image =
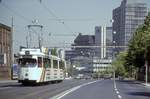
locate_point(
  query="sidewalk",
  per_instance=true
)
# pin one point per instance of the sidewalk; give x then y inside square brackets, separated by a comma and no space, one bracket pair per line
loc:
[140,82]
[147,85]
[143,83]
[8,81]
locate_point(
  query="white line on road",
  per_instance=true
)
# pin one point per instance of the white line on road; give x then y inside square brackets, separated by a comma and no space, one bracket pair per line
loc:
[117,92]
[115,87]
[61,95]
[119,97]
[66,92]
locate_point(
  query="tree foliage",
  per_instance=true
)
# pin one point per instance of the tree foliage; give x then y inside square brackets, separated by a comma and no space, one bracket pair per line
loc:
[54,51]
[118,64]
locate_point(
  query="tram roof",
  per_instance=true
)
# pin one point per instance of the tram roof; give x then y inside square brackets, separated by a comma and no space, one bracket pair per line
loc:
[37,52]
[31,52]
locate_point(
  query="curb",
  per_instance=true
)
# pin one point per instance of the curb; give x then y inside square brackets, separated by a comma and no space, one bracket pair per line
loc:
[146,85]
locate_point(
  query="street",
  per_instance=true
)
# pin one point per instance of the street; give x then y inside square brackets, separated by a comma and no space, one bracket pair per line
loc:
[76,89]
[15,90]
[105,90]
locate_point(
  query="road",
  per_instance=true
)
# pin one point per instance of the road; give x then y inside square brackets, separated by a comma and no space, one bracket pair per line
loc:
[76,89]
[105,89]
[17,91]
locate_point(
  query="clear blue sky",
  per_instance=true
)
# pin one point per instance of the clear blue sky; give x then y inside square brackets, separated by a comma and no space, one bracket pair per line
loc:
[77,16]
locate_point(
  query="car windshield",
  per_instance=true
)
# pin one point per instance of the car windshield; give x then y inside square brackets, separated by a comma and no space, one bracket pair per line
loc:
[27,62]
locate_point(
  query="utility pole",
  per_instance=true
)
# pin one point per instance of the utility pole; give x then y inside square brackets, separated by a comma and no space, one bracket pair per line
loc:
[146,72]
[27,41]
[11,50]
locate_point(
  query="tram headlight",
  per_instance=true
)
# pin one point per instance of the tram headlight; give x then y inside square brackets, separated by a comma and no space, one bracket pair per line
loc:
[26,74]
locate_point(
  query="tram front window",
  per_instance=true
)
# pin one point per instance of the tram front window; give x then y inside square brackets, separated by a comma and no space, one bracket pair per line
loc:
[27,62]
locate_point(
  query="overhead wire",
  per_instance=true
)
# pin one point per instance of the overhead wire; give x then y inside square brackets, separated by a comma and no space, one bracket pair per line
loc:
[16,13]
[55,16]
[19,15]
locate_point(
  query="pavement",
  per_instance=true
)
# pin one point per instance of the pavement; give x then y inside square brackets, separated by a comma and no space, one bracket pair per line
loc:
[147,85]
[8,81]
[76,89]
[107,89]
[42,91]
[143,83]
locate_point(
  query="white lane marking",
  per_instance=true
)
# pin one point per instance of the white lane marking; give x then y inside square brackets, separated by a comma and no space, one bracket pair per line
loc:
[117,92]
[66,92]
[115,87]
[119,97]
[61,95]
[115,84]
[4,88]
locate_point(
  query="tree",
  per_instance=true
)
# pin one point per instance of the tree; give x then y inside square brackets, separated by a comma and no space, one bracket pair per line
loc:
[119,64]
[54,51]
[139,46]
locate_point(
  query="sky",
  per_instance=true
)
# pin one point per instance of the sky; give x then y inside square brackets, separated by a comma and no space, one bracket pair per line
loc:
[62,19]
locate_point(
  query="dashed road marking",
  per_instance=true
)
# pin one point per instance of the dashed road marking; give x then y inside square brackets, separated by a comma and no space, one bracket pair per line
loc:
[117,92]
[120,97]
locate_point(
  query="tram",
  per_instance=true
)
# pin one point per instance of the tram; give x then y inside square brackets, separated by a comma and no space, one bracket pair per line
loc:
[36,66]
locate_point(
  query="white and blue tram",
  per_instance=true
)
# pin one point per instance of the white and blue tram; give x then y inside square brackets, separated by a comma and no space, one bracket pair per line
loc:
[36,66]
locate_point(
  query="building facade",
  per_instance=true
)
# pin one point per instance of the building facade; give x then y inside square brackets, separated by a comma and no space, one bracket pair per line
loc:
[84,40]
[5,51]
[126,19]
[103,38]
[100,65]
[109,40]
[81,54]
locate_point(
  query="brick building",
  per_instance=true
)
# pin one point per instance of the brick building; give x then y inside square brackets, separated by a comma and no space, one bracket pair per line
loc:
[5,51]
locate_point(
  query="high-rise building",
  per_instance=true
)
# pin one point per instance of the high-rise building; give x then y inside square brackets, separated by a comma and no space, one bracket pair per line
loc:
[109,41]
[103,38]
[5,51]
[126,20]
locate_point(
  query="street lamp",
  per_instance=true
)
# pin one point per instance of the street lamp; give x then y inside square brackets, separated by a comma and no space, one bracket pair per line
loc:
[114,32]
[113,56]
[114,74]
[73,70]
[114,44]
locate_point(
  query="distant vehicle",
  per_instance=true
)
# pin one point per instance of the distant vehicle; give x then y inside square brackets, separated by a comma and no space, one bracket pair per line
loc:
[79,76]
[15,71]
[36,66]
[87,77]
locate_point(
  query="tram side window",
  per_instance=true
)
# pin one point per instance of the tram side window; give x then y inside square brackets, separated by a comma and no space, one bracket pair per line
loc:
[55,63]
[39,61]
[61,64]
[47,62]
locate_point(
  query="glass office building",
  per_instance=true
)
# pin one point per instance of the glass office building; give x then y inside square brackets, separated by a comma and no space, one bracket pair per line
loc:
[126,19]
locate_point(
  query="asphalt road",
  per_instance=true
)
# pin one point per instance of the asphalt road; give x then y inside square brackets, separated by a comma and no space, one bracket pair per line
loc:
[76,89]
[133,90]
[103,89]
[106,89]
[15,90]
